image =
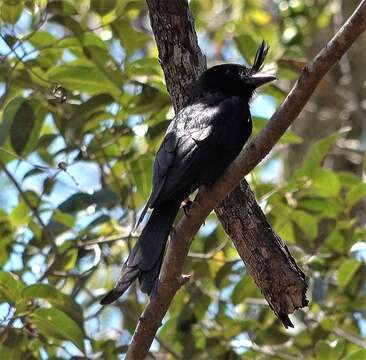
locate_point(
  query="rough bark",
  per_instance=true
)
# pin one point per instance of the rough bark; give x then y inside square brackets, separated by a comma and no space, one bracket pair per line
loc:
[266,256]
[179,54]
[209,198]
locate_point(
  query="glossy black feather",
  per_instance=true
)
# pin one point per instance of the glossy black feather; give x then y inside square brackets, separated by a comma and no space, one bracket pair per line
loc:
[259,57]
[200,142]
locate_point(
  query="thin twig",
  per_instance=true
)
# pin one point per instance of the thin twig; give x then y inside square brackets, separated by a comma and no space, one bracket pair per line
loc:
[350,337]
[48,233]
[103,240]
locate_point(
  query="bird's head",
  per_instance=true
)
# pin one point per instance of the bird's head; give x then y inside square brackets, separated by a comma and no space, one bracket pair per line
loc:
[236,79]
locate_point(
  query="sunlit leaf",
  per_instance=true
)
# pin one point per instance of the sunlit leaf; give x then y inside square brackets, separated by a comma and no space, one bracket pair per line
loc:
[346,271]
[102,7]
[329,207]
[61,7]
[138,171]
[82,77]
[317,152]
[56,298]
[356,194]
[10,12]
[306,222]
[357,355]
[10,287]
[325,183]
[56,324]
[324,351]
[130,38]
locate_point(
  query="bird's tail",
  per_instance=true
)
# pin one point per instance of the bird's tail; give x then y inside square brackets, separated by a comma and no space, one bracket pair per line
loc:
[147,255]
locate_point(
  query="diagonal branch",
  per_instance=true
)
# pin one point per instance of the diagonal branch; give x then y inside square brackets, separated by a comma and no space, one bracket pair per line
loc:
[189,60]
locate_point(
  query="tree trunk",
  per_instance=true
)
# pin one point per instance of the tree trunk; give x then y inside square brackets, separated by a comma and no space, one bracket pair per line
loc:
[182,62]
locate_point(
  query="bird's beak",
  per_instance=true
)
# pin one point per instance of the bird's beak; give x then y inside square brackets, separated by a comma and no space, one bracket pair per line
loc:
[260,79]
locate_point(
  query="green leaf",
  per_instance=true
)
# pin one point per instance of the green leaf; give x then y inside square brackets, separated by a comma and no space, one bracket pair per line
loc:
[82,77]
[86,110]
[335,241]
[285,231]
[22,122]
[223,274]
[42,38]
[148,101]
[56,298]
[63,218]
[10,12]
[142,178]
[102,7]
[76,202]
[238,292]
[56,324]
[325,183]
[201,301]
[103,198]
[22,127]
[143,66]
[289,137]
[11,344]
[10,287]
[356,194]
[243,289]
[130,38]
[348,179]
[6,236]
[68,22]
[66,260]
[307,223]
[60,8]
[20,214]
[328,324]
[328,207]
[357,355]
[317,152]
[99,55]
[324,351]
[346,271]
[8,116]
[282,223]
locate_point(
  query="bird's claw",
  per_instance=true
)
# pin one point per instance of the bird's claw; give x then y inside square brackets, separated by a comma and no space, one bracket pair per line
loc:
[187,206]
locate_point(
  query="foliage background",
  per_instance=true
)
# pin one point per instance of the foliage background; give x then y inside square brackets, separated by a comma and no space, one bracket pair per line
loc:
[83,108]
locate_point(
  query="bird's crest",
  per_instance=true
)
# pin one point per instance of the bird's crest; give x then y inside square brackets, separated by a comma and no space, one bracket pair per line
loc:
[260,56]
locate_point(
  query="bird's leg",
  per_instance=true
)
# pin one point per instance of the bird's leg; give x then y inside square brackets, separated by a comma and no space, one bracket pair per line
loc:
[154,291]
[187,206]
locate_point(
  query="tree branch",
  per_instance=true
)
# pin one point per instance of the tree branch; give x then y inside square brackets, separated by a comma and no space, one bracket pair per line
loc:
[173,18]
[266,256]
[46,232]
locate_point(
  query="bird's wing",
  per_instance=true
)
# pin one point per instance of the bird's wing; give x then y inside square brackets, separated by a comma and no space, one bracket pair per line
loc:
[163,161]
[190,143]
[188,148]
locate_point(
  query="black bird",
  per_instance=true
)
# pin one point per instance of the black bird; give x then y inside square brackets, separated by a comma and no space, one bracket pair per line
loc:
[200,142]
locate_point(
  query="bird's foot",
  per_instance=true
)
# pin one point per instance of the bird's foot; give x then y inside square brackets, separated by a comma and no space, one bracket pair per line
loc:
[187,206]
